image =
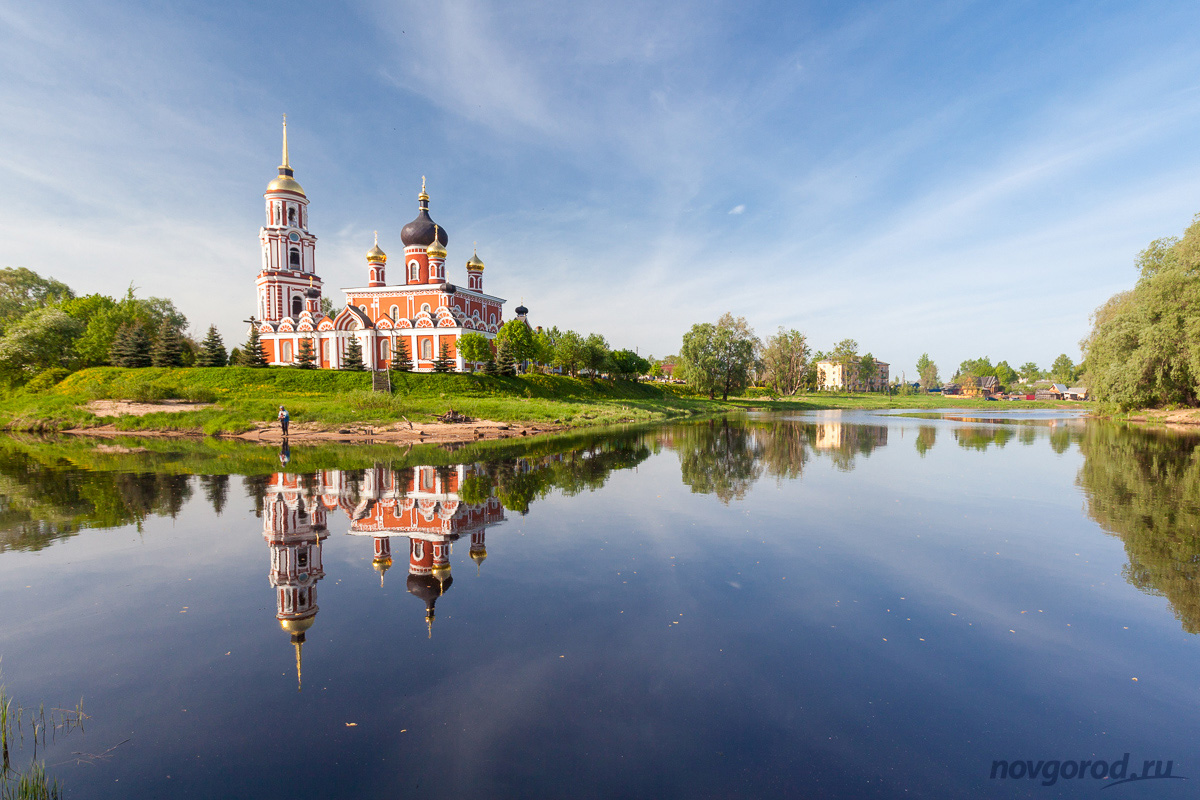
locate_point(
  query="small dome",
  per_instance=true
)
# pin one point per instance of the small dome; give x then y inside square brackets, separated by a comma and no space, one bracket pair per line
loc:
[375,254]
[422,230]
[436,249]
[449,288]
[521,311]
[478,554]
[475,262]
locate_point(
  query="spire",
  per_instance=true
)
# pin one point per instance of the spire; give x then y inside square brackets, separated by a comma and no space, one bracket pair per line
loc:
[285,164]
[423,195]
[299,642]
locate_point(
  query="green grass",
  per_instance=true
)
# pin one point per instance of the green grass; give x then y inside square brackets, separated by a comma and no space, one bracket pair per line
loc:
[242,399]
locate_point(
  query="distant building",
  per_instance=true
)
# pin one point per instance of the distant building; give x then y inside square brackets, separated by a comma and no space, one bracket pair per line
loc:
[833,375]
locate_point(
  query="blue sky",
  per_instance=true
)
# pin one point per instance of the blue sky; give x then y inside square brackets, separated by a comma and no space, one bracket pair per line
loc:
[962,179]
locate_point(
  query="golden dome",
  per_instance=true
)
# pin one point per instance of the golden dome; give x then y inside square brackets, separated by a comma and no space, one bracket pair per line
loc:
[478,554]
[295,626]
[375,253]
[435,249]
[475,262]
[285,183]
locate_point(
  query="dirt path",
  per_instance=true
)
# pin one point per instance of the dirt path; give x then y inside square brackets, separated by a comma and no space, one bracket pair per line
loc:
[399,432]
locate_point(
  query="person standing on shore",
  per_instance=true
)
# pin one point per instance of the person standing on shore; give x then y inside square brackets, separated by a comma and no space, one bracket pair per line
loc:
[284,418]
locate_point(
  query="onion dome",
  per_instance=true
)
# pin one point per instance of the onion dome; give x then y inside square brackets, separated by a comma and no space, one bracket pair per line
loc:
[478,555]
[297,626]
[381,565]
[449,288]
[422,230]
[285,182]
[475,262]
[435,248]
[521,311]
[375,254]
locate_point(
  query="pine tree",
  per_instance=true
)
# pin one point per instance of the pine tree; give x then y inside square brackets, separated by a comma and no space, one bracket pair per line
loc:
[443,362]
[168,346]
[490,368]
[118,352]
[402,362]
[212,350]
[304,356]
[505,364]
[252,354]
[354,355]
[138,347]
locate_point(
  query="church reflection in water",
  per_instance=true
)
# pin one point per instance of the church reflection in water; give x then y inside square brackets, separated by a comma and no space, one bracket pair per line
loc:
[422,503]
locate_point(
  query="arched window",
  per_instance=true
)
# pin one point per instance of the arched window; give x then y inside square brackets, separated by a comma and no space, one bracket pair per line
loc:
[294,257]
[383,349]
[286,354]
[292,217]
[363,309]
[297,305]
[427,349]
[414,270]
[394,313]
[425,306]
[418,549]
[492,319]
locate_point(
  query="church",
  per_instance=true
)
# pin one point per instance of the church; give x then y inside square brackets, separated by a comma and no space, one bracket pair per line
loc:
[423,313]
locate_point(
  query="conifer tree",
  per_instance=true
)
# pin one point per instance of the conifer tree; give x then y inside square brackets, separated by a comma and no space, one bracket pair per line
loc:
[136,349]
[305,359]
[168,346]
[505,364]
[252,354]
[212,350]
[354,356]
[401,361]
[118,352]
[443,362]
[490,368]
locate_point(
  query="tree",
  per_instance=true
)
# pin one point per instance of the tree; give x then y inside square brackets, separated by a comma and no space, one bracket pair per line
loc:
[785,361]
[568,352]
[505,364]
[401,360]
[252,354]
[167,350]
[475,348]
[928,373]
[516,337]
[543,346]
[327,306]
[40,340]
[131,346]
[212,350]
[443,363]
[594,354]
[354,355]
[977,367]
[845,355]
[22,290]
[1063,369]
[1006,374]
[718,357]
[305,358]
[868,371]
[626,364]
[1029,372]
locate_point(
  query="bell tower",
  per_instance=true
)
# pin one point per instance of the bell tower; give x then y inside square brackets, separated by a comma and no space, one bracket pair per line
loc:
[288,249]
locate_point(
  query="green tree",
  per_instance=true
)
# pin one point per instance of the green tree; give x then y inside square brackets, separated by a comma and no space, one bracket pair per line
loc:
[785,361]
[212,350]
[252,354]
[1063,369]
[167,350]
[443,363]
[594,354]
[22,290]
[698,363]
[543,346]
[868,372]
[305,358]
[517,339]
[327,306]
[1029,372]
[626,364]
[845,355]
[718,357]
[568,352]
[354,355]
[41,339]
[1006,374]
[401,359]
[475,348]
[927,372]
[505,363]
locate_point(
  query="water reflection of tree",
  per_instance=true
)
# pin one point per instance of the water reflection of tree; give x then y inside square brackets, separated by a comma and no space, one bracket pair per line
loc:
[718,457]
[926,438]
[1144,486]
[981,438]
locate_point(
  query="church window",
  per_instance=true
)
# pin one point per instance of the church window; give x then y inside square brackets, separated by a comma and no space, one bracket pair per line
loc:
[492,319]
[394,313]
[297,306]
[418,550]
[287,351]
[413,270]
[383,349]
[294,257]
[292,217]
[302,558]
[427,349]
[425,307]
[363,309]
[427,478]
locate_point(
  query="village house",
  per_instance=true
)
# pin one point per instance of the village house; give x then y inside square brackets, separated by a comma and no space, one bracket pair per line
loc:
[833,375]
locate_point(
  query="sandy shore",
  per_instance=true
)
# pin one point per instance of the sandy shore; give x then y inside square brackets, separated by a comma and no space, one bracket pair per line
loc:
[398,432]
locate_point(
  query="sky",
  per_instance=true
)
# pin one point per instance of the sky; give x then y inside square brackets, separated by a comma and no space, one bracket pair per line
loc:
[959,179]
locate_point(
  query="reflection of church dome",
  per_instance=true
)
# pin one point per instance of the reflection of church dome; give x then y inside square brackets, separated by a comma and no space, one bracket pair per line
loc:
[429,589]
[381,565]
[297,626]
[478,555]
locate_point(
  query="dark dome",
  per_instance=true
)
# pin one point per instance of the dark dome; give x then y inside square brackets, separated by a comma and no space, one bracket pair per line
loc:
[312,291]
[420,231]
[522,311]
[449,288]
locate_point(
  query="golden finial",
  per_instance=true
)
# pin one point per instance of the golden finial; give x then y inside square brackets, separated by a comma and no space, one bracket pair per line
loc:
[423,195]
[285,164]
[298,683]
[429,622]
[377,238]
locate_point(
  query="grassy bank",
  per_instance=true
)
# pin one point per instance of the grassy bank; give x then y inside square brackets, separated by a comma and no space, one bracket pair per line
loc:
[239,399]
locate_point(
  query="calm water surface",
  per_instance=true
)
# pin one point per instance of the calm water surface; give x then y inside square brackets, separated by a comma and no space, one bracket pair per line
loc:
[831,605]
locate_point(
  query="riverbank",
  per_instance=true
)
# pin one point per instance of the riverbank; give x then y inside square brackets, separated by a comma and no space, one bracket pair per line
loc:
[324,405]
